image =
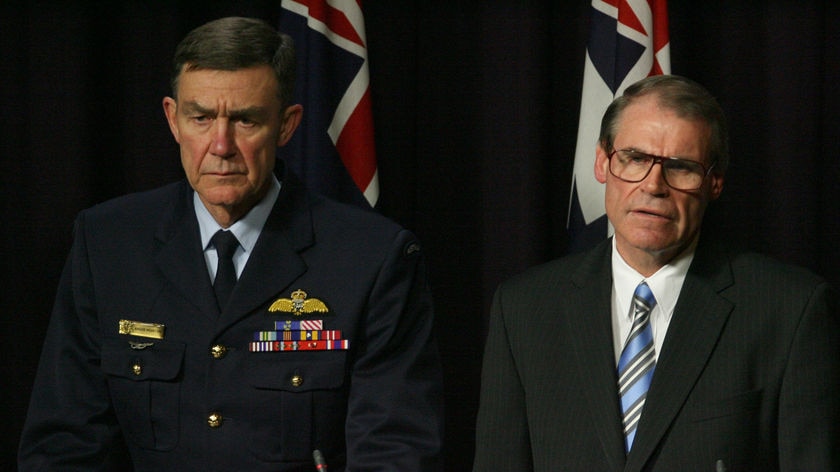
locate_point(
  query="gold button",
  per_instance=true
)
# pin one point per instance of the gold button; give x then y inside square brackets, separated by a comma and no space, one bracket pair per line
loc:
[137,369]
[214,420]
[218,351]
[297,380]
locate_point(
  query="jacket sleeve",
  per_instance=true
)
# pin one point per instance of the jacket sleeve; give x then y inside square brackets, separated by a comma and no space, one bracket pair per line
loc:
[809,404]
[395,407]
[70,424]
[502,439]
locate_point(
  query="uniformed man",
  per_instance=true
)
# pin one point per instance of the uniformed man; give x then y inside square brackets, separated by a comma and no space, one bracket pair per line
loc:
[233,320]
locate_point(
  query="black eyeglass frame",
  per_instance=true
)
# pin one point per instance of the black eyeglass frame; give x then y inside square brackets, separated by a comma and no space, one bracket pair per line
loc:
[660,160]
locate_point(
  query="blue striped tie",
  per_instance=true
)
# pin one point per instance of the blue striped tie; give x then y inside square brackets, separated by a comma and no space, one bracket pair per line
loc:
[637,363]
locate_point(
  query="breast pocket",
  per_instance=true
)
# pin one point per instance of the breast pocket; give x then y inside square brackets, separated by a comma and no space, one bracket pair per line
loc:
[727,429]
[744,403]
[300,403]
[144,382]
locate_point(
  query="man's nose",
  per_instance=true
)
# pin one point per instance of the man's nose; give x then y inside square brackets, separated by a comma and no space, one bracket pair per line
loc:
[655,183]
[223,141]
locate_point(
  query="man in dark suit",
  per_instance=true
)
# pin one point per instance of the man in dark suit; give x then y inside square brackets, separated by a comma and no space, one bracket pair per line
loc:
[659,349]
[313,333]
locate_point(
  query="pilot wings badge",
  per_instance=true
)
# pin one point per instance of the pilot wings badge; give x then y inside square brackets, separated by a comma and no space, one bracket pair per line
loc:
[299,305]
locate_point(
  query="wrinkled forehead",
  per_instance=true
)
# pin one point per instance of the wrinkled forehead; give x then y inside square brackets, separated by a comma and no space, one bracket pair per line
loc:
[652,126]
[248,87]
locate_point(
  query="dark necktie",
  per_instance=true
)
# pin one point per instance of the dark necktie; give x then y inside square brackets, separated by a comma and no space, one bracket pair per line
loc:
[225,243]
[637,363]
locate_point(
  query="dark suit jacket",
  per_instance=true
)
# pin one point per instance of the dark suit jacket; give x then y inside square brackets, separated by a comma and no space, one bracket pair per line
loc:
[749,373]
[376,406]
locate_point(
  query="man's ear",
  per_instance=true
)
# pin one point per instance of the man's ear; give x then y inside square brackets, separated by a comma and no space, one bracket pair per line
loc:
[170,109]
[291,119]
[602,164]
[716,187]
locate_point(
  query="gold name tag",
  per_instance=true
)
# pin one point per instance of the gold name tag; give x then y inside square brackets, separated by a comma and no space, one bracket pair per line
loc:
[143,330]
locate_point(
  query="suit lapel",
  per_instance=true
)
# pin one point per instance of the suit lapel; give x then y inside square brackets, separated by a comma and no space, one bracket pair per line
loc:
[180,257]
[699,318]
[593,346]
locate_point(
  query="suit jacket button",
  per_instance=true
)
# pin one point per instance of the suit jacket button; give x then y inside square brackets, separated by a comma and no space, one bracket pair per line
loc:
[218,351]
[137,369]
[214,420]
[297,380]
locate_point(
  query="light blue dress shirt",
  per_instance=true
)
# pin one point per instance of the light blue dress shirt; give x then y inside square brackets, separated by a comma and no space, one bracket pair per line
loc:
[247,229]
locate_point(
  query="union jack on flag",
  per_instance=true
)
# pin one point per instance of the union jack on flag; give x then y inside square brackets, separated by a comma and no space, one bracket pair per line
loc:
[333,150]
[628,41]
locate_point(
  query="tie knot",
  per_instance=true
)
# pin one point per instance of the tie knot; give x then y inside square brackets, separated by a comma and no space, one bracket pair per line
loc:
[225,243]
[644,295]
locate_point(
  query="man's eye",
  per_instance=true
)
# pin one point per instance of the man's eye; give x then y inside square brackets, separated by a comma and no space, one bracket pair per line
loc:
[681,166]
[636,158]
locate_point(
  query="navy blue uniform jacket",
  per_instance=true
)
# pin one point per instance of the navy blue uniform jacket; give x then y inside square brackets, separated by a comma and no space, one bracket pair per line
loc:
[376,406]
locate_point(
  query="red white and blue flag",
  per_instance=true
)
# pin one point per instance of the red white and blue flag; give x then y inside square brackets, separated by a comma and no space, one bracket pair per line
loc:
[333,149]
[628,41]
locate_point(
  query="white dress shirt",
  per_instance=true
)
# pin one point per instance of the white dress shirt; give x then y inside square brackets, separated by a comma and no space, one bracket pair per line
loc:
[665,284]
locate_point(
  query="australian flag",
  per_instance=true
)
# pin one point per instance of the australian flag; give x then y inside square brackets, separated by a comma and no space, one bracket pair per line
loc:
[628,41]
[333,149]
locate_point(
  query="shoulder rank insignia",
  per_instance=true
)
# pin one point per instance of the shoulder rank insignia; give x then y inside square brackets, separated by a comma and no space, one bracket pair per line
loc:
[299,304]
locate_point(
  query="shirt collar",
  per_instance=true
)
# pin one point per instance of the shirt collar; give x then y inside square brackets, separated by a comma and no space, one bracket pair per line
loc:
[665,284]
[248,228]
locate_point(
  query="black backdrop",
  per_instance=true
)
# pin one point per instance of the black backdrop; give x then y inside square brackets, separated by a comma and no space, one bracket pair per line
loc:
[476,106]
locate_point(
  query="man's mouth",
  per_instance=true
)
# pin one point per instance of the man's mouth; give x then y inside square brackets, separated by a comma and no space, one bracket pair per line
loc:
[648,212]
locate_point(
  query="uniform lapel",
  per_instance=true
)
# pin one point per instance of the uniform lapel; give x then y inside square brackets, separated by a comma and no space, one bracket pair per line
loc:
[276,261]
[699,318]
[593,346]
[180,257]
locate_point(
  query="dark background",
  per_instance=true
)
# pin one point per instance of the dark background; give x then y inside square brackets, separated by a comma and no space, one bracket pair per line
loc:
[476,107]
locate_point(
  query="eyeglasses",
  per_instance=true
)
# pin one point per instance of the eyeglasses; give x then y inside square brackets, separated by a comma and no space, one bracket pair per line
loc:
[680,174]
